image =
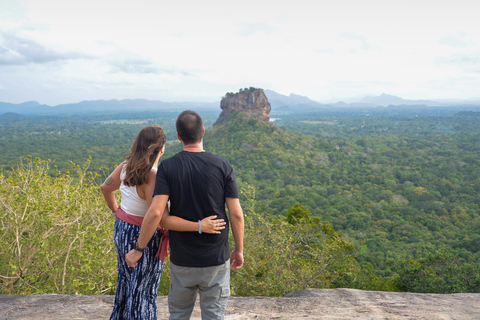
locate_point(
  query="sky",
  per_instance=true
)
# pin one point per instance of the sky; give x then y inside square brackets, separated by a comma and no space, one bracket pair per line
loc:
[67,51]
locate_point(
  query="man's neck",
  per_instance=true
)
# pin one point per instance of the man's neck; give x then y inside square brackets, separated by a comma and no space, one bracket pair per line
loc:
[194,147]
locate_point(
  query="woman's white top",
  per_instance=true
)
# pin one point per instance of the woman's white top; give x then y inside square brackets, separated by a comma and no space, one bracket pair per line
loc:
[131,202]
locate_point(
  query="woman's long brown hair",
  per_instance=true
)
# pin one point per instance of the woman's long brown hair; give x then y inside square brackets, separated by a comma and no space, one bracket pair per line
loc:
[142,156]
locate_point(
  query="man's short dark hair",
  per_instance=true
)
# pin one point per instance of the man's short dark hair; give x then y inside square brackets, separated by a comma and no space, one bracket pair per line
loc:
[190,127]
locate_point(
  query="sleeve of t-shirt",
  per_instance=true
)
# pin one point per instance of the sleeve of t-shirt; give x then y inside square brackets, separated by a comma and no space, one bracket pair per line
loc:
[161,183]
[231,188]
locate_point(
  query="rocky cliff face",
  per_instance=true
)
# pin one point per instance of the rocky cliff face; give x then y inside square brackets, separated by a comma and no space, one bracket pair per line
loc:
[252,101]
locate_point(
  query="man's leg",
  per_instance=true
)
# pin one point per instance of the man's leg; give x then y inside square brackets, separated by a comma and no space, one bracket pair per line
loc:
[183,292]
[214,286]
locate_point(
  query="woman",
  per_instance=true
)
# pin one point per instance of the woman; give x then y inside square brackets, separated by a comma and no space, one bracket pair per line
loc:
[137,288]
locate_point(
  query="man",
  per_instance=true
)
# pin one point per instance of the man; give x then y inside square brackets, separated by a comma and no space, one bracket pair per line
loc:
[198,184]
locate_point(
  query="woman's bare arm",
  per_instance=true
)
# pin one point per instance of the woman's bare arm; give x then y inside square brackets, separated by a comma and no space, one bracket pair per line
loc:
[208,225]
[109,186]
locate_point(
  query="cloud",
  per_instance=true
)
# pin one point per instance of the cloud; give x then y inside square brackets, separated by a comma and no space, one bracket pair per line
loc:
[139,66]
[20,51]
[457,41]
[364,45]
[325,50]
[134,66]
[250,29]
[121,60]
[467,62]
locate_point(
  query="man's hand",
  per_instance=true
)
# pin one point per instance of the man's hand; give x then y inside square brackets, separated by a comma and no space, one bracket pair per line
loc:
[236,260]
[237,224]
[132,257]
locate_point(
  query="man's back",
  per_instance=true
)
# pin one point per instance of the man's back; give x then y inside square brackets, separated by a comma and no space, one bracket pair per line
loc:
[197,184]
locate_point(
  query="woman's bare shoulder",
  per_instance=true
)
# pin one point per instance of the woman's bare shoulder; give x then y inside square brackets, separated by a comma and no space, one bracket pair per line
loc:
[152,175]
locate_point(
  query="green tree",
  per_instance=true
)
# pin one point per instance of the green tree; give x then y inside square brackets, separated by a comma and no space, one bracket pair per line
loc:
[56,232]
[298,213]
[282,257]
[439,272]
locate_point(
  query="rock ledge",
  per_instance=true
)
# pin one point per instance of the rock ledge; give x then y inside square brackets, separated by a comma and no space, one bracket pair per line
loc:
[306,304]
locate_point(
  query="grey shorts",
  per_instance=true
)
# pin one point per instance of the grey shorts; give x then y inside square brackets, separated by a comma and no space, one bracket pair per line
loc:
[212,283]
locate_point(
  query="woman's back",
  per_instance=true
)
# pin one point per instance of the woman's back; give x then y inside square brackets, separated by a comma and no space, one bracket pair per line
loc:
[132,203]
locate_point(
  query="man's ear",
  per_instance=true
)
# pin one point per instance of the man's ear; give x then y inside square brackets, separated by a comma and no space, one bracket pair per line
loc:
[203,133]
[178,136]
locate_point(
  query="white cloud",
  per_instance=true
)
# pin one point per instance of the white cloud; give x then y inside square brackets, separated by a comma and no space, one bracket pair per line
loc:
[467,62]
[456,41]
[18,51]
[249,29]
[81,50]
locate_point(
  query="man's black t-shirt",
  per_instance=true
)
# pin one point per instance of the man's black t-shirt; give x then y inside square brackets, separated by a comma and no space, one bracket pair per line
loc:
[197,184]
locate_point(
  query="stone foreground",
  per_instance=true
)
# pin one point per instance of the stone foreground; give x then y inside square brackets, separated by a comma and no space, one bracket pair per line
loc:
[306,304]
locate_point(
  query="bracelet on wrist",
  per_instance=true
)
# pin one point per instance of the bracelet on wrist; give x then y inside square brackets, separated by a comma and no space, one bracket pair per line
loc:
[199,227]
[137,248]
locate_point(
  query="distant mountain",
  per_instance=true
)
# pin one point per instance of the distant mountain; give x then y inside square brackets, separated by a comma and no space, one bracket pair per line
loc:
[278,102]
[95,106]
[11,116]
[389,100]
[458,102]
[29,107]
[293,102]
[129,105]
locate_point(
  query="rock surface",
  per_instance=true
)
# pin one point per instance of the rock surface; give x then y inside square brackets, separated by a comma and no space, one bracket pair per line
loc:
[306,304]
[253,102]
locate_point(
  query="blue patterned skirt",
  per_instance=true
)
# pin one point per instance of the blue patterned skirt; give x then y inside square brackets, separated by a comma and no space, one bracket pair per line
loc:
[137,288]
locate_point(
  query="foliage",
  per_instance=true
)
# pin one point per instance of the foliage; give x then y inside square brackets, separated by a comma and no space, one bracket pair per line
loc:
[291,257]
[400,183]
[56,237]
[439,272]
[106,138]
[231,94]
[297,214]
[366,279]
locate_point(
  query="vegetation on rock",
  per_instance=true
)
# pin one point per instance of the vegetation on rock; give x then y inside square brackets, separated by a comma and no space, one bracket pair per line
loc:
[56,236]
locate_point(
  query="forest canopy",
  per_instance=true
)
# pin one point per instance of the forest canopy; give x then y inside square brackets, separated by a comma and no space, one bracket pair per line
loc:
[400,187]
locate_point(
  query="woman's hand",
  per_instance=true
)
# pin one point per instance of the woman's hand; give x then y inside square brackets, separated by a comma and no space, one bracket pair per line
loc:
[132,258]
[208,225]
[212,225]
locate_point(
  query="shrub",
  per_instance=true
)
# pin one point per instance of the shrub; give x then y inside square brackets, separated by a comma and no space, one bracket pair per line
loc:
[282,257]
[56,232]
[439,272]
